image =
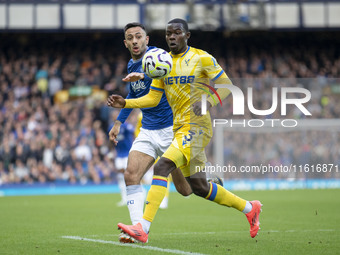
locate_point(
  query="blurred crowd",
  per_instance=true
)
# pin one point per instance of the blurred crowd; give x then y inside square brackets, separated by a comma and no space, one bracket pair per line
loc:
[42,141]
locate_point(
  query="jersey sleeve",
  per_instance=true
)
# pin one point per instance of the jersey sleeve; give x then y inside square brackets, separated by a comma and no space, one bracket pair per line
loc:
[211,68]
[215,73]
[157,85]
[151,99]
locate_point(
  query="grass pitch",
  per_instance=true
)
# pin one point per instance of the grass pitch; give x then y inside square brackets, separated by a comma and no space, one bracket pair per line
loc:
[292,222]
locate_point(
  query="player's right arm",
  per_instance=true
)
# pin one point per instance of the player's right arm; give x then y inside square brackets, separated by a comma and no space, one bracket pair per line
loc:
[151,99]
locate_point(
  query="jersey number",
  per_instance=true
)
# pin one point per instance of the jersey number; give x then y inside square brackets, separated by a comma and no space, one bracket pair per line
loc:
[188,137]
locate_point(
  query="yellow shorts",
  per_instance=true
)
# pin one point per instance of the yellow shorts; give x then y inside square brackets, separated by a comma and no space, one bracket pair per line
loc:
[187,148]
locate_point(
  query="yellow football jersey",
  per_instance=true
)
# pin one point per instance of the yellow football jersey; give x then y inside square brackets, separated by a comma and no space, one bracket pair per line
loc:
[191,72]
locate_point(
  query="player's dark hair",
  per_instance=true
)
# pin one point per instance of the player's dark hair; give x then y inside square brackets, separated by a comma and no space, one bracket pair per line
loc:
[182,21]
[134,24]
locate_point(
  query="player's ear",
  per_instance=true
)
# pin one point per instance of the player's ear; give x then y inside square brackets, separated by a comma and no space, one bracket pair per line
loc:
[188,34]
[147,40]
[125,43]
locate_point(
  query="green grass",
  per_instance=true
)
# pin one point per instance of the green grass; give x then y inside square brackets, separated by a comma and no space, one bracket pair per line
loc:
[292,222]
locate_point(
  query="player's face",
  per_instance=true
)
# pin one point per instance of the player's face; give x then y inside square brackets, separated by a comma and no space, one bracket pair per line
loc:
[177,38]
[136,41]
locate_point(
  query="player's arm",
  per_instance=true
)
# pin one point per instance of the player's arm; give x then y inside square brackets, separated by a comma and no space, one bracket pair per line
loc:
[151,99]
[115,131]
[123,115]
[134,76]
[215,73]
[221,93]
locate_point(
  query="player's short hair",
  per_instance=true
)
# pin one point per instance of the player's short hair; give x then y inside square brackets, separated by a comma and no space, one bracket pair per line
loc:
[134,24]
[182,21]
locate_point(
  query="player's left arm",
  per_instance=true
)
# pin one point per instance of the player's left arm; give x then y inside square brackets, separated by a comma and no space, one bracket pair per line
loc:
[222,93]
[134,76]
[215,73]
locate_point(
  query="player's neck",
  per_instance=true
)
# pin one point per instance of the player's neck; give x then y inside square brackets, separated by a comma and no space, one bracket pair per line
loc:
[180,51]
[136,59]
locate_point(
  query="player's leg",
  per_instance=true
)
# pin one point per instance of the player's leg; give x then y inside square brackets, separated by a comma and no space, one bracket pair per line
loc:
[218,194]
[154,198]
[195,154]
[141,157]
[165,201]
[164,139]
[215,192]
[138,165]
[172,158]
[182,186]
[197,139]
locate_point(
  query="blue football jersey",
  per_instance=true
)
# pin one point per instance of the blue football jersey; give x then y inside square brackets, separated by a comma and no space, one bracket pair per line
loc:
[153,118]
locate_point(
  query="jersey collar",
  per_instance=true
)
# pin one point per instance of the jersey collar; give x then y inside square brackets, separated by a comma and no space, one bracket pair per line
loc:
[182,54]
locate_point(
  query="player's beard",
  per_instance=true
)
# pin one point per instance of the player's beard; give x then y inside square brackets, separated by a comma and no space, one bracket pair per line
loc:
[139,54]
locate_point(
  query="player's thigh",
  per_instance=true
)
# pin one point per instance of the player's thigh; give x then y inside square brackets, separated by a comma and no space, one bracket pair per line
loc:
[191,140]
[138,164]
[174,154]
[187,149]
[145,143]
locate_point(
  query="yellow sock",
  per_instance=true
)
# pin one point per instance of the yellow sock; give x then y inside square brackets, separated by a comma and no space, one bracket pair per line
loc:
[155,196]
[220,195]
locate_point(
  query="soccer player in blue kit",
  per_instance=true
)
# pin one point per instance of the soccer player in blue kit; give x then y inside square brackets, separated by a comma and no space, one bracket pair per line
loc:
[156,133]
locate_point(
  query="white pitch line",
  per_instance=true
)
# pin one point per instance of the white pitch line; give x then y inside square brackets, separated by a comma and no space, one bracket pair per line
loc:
[245,231]
[152,248]
[227,232]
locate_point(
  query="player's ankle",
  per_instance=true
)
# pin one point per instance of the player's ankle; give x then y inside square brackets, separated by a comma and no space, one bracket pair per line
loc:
[146,225]
[247,208]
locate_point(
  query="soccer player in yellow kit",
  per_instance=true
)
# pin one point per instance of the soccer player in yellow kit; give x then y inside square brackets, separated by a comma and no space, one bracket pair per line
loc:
[191,72]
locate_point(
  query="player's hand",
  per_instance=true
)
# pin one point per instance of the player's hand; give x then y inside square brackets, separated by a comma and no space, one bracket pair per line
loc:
[116,101]
[132,77]
[197,108]
[114,132]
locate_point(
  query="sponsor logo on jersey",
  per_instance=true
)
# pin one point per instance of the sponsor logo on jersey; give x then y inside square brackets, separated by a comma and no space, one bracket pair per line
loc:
[138,85]
[170,80]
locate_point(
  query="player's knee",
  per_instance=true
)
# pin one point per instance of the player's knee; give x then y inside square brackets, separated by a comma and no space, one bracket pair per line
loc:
[200,190]
[131,177]
[164,167]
